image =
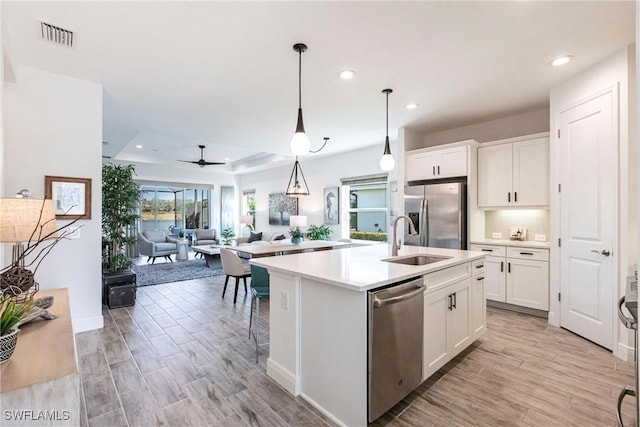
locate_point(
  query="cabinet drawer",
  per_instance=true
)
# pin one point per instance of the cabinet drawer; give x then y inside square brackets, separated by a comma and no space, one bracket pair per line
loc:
[447,277]
[477,267]
[528,253]
[489,249]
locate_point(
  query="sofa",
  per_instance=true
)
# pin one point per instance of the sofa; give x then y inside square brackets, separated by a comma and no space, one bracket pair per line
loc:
[260,238]
[204,236]
[154,243]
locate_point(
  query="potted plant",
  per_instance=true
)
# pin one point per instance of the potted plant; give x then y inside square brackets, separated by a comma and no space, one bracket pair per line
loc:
[318,232]
[120,202]
[11,313]
[227,236]
[181,234]
[297,236]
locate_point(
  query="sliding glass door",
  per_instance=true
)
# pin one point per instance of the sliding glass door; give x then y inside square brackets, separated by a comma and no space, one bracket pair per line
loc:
[163,208]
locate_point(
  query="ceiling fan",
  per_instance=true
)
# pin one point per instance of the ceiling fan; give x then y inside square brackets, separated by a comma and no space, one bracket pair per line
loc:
[202,163]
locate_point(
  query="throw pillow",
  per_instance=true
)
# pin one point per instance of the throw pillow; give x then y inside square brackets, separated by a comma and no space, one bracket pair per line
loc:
[278,237]
[254,237]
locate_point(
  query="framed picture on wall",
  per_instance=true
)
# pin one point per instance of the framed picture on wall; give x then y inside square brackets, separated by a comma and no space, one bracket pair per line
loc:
[331,202]
[71,196]
[281,207]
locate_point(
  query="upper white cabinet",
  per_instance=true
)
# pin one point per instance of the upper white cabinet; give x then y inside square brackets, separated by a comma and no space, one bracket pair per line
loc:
[436,163]
[514,173]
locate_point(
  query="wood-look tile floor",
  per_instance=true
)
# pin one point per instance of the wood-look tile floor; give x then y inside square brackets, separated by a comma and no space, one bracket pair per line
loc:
[181,357]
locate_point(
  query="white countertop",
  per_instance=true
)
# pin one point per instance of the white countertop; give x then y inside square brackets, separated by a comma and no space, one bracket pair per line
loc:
[286,245]
[361,268]
[521,243]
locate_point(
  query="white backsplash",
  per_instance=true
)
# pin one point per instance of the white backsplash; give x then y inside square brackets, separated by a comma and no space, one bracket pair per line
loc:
[535,220]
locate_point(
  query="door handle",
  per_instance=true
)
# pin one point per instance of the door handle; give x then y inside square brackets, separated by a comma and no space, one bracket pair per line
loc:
[450,304]
[480,278]
[508,267]
[509,197]
[501,266]
[438,169]
[603,252]
[434,170]
[515,196]
[455,300]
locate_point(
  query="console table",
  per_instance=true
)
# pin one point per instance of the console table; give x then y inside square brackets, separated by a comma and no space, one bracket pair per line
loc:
[41,382]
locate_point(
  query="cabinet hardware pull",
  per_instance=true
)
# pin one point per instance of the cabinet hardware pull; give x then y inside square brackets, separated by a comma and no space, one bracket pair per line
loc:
[480,278]
[450,302]
[501,266]
[455,299]
[479,265]
[508,267]
[438,169]
[487,250]
[434,170]
[509,196]
[515,196]
[526,253]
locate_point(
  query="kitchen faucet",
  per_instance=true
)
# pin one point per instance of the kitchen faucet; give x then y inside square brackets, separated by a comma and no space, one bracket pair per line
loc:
[396,243]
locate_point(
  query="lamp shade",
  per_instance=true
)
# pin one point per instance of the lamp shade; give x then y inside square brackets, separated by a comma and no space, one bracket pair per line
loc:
[298,220]
[246,219]
[24,220]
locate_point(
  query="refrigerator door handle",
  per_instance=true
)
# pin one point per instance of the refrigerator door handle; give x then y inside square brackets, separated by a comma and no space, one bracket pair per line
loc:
[425,235]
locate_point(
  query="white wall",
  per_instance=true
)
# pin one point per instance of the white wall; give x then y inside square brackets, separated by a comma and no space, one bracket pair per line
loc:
[53,126]
[618,69]
[320,172]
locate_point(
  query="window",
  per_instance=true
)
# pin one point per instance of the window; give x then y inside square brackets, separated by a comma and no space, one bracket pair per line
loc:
[162,207]
[249,204]
[367,208]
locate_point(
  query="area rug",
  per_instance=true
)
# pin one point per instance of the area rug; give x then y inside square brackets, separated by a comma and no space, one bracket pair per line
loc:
[155,274]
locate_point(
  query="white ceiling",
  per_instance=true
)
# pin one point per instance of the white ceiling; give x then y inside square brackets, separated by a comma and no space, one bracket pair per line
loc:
[224,74]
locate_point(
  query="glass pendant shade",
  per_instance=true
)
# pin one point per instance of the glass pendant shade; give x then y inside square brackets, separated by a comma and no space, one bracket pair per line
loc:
[300,143]
[297,183]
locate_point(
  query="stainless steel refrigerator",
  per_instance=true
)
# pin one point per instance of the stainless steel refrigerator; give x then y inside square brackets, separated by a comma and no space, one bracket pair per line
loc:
[439,214]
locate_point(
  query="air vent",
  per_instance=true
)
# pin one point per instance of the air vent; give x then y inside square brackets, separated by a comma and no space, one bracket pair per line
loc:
[56,35]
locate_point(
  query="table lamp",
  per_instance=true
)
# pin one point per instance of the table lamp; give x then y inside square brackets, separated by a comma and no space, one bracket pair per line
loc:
[24,220]
[298,220]
[247,220]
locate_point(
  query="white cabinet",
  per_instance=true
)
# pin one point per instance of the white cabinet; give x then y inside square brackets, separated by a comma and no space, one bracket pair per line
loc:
[516,275]
[514,174]
[436,163]
[478,311]
[454,314]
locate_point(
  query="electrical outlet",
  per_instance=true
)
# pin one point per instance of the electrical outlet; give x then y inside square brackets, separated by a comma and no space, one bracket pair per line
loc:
[540,237]
[284,300]
[496,235]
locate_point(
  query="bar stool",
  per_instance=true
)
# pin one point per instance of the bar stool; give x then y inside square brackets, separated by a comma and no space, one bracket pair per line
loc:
[259,290]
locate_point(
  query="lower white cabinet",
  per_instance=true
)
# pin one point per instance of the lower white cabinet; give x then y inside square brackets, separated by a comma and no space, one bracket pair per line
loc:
[516,275]
[478,310]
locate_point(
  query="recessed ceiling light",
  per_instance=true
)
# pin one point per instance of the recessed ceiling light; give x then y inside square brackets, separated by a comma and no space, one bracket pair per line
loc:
[226,159]
[347,74]
[412,106]
[561,60]
[138,146]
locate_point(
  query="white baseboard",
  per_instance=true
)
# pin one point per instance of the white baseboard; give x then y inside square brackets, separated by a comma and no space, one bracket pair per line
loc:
[88,324]
[321,409]
[282,376]
[624,352]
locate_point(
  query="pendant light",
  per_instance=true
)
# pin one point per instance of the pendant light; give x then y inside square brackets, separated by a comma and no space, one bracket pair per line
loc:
[300,143]
[297,183]
[386,162]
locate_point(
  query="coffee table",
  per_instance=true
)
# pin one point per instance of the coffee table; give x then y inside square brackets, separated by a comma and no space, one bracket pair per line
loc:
[210,252]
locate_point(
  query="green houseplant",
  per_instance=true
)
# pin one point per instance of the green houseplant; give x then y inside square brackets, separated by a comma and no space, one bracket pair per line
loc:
[318,232]
[297,235]
[11,313]
[120,200]
[227,236]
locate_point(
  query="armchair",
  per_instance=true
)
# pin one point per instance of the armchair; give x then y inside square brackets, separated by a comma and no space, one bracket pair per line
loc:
[156,243]
[203,236]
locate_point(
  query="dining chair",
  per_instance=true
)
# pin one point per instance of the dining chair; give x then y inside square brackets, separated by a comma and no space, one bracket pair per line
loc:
[259,290]
[232,266]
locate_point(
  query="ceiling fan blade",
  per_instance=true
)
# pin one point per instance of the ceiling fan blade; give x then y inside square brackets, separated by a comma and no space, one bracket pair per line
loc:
[214,163]
[189,161]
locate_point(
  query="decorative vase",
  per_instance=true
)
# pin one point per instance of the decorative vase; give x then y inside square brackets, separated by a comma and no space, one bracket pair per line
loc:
[296,240]
[8,344]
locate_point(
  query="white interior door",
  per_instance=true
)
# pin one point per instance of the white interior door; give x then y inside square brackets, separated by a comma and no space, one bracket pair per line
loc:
[588,210]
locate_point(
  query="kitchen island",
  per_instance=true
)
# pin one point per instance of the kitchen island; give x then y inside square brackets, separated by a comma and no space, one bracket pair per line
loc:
[318,341]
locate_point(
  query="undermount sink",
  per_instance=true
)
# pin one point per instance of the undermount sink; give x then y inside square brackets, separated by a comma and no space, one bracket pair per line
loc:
[417,259]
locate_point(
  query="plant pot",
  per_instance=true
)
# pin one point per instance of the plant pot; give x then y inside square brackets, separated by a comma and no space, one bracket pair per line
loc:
[8,344]
[296,240]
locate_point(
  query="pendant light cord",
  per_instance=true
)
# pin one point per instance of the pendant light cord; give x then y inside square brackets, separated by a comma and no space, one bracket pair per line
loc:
[300,79]
[387,114]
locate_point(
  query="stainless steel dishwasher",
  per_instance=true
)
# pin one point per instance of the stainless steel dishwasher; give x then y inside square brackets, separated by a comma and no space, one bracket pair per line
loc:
[395,344]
